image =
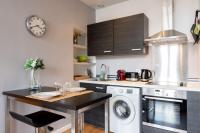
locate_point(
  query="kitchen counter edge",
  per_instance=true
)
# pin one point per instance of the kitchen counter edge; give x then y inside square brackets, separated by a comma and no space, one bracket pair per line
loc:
[191,86]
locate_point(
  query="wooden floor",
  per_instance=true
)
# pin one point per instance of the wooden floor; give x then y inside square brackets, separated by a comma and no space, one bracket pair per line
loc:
[91,129]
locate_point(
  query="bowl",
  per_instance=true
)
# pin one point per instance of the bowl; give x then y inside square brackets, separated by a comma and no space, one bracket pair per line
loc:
[82,58]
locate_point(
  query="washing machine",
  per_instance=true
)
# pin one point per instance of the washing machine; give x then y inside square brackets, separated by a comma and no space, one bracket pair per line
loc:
[125,109]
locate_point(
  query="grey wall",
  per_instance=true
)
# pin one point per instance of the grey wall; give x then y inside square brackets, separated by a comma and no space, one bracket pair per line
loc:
[55,47]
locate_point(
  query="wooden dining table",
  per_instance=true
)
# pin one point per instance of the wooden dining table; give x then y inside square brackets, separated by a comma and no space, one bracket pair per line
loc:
[75,106]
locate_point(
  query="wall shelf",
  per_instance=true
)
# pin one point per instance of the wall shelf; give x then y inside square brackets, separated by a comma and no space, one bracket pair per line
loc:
[82,69]
[84,63]
[78,46]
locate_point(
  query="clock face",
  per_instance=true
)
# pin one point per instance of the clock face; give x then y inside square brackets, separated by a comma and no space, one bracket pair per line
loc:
[36,26]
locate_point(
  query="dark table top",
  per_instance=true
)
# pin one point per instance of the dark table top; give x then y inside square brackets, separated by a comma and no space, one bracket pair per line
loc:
[73,103]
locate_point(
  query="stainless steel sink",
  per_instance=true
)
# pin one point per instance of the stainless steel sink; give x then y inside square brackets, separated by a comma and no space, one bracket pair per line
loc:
[98,79]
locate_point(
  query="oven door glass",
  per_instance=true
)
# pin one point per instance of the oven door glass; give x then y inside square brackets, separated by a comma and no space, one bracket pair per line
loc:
[169,113]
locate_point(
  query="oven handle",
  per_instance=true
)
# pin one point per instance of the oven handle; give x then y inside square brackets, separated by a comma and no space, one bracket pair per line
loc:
[164,99]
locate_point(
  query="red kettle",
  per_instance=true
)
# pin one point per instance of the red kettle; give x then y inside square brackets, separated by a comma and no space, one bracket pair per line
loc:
[121,75]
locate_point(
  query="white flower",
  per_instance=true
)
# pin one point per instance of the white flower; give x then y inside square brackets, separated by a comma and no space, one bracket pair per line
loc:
[34,63]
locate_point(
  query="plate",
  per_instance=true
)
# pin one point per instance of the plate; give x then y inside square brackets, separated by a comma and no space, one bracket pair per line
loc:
[47,95]
[75,89]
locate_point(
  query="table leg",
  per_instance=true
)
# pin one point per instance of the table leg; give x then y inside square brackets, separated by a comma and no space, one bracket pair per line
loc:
[82,121]
[74,122]
[7,115]
[107,121]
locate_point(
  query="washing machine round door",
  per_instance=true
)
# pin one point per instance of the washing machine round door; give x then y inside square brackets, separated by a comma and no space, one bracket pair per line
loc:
[123,109]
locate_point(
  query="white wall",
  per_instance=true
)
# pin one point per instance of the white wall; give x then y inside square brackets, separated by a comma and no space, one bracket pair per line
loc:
[55,47]
[184,17]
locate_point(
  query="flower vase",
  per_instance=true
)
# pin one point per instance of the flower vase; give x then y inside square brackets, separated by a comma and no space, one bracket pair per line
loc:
[34,83]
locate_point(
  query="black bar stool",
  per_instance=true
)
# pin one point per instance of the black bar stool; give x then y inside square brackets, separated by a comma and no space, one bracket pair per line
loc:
[40,120]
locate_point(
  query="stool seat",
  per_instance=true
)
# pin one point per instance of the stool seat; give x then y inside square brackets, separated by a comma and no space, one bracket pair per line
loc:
[38,119]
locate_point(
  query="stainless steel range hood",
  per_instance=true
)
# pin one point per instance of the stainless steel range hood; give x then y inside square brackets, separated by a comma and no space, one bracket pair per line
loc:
[169,50]
[168,34]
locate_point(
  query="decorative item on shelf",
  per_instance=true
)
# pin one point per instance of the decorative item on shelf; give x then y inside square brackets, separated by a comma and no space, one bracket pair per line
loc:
[33,65]
[75,38]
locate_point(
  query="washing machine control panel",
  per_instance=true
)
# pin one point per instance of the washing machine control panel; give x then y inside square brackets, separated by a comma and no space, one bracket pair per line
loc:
[125,91]
[116,90]
[129,91]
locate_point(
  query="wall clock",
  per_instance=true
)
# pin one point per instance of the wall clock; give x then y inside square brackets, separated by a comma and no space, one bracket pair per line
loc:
[36,26]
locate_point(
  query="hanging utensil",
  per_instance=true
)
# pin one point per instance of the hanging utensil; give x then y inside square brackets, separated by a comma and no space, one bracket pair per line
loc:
[195,29]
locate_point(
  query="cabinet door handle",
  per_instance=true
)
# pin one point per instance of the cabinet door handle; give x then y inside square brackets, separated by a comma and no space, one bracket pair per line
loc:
[100,88]
[144,99]
[136,49]
[107,51]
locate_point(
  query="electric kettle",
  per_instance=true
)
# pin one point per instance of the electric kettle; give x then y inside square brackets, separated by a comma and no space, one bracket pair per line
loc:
[146,75]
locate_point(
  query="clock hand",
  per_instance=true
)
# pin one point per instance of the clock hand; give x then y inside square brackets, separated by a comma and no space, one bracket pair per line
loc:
[40,28]
[36,26]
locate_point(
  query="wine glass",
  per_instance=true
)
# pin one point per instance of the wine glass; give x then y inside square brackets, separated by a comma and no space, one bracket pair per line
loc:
[58,86]
[67,86]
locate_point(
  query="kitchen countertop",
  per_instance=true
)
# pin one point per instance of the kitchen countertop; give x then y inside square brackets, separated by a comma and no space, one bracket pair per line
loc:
[191,86]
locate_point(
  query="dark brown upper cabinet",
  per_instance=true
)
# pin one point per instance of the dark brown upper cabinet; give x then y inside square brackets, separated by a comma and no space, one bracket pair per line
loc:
[123,36]
[129,35]
[100,38]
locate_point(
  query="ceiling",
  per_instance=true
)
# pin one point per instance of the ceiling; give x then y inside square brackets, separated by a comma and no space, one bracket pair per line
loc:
[101,3]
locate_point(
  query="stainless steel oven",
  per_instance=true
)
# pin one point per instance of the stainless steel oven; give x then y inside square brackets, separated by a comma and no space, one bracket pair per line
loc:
[165,109]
